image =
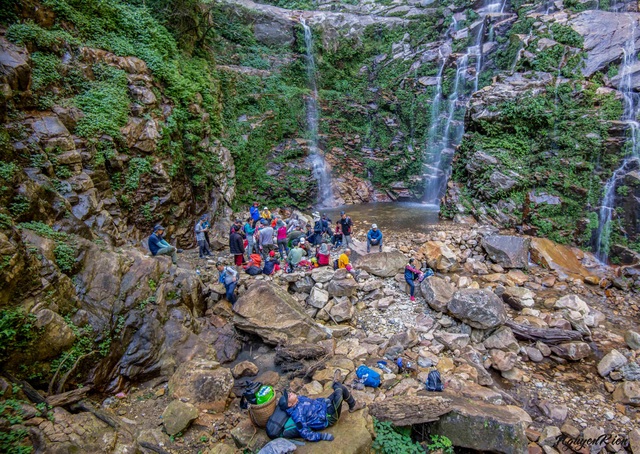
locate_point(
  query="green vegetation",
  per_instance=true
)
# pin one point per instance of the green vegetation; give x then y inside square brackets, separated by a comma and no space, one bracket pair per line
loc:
[17,331]
[440,442]
[65,251]
[394,440]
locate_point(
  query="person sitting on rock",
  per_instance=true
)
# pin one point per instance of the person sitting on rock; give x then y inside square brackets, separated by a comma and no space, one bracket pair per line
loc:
[343,263]
[229,277]
[411,273]
[309,235]
[323,255]
[374,238]
[293,237]
[312,415]
[266,214]
[295,255]
[158,245]
[272,265]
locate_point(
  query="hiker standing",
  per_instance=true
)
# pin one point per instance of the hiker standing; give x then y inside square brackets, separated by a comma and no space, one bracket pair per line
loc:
[411,273]
[281,237]
[249,232]
[203,246]
[255,213]
[236,246]
[346,224]
[266,239]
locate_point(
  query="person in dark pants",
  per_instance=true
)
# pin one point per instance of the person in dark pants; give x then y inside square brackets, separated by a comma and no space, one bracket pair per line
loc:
[206,225]
[311,415]
[346,224]
[229,277]
[411,273]
[236,246]
[374,238]
[159,246]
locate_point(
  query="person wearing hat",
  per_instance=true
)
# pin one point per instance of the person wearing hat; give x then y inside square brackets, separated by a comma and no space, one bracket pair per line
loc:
[317,230]
[323,255]
[374,237]
[266,214]
[326,225]
[207,226]
[296,253]
[312,415]
[271,265]
[346,225]
[158,245]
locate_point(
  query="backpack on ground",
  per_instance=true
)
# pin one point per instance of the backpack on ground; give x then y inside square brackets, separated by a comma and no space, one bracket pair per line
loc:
[253,271]
[249,394]
[335,264]
[281,425]
[368,376]
[434,382]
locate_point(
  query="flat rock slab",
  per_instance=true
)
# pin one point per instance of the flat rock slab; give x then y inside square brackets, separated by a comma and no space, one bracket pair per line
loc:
[557,257]
[404,411]
[353,435]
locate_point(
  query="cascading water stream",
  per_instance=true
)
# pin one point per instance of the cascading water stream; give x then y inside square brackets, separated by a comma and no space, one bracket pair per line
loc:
[630,114]
[319,165]
[440,149]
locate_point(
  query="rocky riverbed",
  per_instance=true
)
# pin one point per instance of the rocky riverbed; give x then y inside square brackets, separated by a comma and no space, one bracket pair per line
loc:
[578,378]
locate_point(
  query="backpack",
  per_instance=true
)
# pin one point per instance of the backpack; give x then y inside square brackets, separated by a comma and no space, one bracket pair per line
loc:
[368,376]
[280,424]
[253,271]
[434,382]
[335,264]
[249,394]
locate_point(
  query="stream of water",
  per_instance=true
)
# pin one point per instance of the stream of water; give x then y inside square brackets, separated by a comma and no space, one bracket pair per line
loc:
[631,103]
[320,170]
[447,127]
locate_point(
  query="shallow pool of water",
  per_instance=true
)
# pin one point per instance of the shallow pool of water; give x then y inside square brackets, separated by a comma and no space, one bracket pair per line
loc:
[389,216]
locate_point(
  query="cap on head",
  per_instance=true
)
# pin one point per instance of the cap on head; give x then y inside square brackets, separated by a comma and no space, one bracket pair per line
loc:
[374,226]
[283,402]
[272,253]
[341,213]
[265,208]
[158,227]
[301,240]
[219,264]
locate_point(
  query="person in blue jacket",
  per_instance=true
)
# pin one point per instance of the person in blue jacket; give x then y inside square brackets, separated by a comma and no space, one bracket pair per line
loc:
[158,245]
[312,415]
[411,273]
[374,238]
[255,213]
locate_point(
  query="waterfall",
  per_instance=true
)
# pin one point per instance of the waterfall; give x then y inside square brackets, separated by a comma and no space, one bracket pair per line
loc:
[319,165]
[630,114]
[440,148]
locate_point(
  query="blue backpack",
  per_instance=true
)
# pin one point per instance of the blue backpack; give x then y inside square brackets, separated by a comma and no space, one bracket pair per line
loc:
[369,377]
[434,382]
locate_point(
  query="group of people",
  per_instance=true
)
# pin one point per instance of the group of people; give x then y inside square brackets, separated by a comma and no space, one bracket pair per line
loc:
[266,243]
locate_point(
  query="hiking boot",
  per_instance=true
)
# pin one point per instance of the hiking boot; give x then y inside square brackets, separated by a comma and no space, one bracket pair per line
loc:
[337,376]
[413,298]
[357,406]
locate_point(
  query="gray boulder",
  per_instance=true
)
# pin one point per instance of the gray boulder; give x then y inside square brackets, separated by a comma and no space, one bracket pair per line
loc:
[383,264]
[178,416]
[507,251]
[273,314]
[632,339]
[342,284]
[480,309]
[437,292]
[574,351]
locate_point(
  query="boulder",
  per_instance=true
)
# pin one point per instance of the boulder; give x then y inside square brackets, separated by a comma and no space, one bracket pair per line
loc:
[342,310]
[502,339]
[178,416]
[628,393]
[479,308]
[631,371]
[557,257]
[437,292]
[204,383]
[318,298]
[353,434]
[502,361]
[322,274]
[611,361]
[342,284]
[303,285]
[15,71]
[56,335]
[383,264]
[556,411]
[507,251]
[485,427]
[439,256]
[573,303]
[452,341]
[244,369]
[632,339]
[634,441]
[268,311]
[518,297]
[574,351]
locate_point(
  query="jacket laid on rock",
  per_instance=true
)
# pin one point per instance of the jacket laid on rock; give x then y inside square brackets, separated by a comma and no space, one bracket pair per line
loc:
[310,415]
